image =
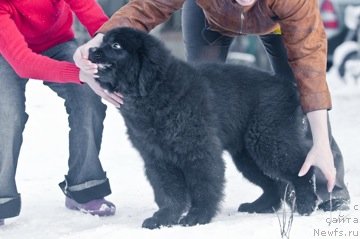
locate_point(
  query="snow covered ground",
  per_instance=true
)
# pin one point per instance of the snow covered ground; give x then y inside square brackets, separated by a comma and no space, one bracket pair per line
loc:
[43,162]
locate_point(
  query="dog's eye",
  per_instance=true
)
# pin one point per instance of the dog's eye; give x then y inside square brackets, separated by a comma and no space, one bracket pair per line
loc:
[116,45]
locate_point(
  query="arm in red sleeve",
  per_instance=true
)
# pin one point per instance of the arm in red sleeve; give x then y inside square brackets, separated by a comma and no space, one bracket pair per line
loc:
[28,64]
[89,13]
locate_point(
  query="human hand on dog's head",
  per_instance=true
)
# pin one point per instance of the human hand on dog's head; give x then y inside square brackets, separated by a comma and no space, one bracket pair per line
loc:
[81,55]
[113,97]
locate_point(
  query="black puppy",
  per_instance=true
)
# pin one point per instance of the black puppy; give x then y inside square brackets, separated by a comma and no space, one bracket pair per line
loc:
[181,118]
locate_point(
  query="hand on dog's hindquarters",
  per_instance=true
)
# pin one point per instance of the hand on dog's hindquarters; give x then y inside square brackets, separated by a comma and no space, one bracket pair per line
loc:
[320,155]
[114,98]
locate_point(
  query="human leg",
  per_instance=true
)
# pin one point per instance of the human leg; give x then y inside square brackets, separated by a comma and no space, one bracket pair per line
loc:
[340,196]
[277,55]
[202,44]
[12,123]
[86,182]
[339,199]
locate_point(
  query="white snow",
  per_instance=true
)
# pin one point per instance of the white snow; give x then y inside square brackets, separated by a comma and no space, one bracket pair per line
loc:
[43,163]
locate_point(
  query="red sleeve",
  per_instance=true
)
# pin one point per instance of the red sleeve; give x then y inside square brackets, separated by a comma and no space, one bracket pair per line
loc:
[89,13]
[28,64]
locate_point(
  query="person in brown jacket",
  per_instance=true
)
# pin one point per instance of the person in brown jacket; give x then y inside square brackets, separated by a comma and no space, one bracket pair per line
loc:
[297,52]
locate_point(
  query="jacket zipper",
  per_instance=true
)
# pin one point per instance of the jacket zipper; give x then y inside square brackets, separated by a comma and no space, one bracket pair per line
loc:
[241,21]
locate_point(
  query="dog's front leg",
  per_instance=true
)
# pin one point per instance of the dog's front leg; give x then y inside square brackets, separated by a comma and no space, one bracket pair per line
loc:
[170,193]
[204,174]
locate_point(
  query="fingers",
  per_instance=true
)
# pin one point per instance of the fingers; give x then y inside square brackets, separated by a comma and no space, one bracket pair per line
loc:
[330,175]
[114,98]
[328,168]
[88,78]
[110,97]
[305,168]
[83,51]
[104,95]
[94,42]
[111,100]
[117,97]
[324,161]
[307,164]
[88,67]
[331,184]
[83,63]
[81,56]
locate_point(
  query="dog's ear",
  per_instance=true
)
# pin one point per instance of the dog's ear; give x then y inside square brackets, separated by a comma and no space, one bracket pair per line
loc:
[153,59]
[147,76]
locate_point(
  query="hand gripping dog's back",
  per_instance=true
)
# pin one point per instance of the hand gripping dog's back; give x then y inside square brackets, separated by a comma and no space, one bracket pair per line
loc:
[181,118]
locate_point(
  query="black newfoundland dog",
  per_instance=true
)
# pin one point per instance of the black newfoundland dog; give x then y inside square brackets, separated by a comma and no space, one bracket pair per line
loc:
[181,117]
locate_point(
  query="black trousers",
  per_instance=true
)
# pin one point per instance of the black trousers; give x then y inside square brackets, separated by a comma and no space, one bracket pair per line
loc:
[202,44]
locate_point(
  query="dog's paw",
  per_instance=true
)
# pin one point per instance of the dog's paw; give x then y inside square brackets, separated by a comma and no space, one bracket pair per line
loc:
[154,222]
[159,220]
[151,223]
[306,204]
[266,203]
[337,204]
[253,208]
[194,217]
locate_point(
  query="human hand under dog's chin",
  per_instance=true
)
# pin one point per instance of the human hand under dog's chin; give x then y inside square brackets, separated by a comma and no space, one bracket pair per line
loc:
[113,97]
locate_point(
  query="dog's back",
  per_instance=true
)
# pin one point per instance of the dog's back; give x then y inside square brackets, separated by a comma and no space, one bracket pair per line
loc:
[242,94]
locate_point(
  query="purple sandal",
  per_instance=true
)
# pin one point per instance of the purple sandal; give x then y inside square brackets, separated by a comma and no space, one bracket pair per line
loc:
[97,207]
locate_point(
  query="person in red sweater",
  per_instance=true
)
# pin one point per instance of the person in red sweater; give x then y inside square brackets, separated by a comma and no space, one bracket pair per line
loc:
[37,42]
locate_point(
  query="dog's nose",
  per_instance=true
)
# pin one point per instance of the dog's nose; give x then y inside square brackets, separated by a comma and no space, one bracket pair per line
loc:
[94,54]
[92,49]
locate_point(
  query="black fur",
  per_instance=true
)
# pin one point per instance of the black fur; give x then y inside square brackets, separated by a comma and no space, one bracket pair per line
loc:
[181,118]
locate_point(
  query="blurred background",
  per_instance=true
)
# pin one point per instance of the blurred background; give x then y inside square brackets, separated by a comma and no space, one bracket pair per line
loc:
[249,50]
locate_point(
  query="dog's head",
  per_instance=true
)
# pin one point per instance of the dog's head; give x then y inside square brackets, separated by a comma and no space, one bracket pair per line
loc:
[129,61]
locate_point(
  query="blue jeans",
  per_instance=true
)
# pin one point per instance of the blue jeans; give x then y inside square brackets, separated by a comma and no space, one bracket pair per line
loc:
[203,44]
[85,179]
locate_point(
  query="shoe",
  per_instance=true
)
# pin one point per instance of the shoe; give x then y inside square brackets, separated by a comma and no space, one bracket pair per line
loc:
[97,207]
[2,222]
[335,205]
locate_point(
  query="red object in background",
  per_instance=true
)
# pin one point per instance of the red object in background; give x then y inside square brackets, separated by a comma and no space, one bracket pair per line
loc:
[329,16]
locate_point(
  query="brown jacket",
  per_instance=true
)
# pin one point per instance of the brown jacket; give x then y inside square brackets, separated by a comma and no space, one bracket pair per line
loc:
[300,22]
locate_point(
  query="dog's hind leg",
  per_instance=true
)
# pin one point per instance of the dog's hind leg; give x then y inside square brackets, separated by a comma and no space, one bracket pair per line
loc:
[270,200]
[204,175]
[281,156]
[170,194]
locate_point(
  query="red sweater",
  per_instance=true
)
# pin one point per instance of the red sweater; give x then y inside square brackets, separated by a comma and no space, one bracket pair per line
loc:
[28,28]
